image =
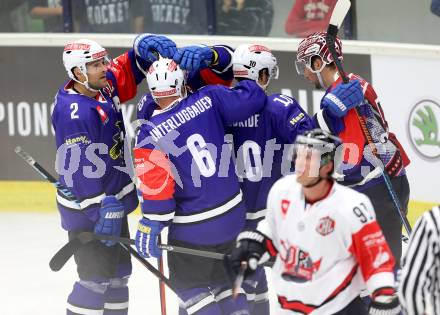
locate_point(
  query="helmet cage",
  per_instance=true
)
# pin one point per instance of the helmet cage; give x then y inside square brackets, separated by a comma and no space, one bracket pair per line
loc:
[318,142]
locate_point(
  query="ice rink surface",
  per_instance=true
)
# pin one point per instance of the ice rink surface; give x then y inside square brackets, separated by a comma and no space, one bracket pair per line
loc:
[28,286]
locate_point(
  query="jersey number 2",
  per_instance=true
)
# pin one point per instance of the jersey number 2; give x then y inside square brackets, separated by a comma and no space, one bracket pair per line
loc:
[74,108]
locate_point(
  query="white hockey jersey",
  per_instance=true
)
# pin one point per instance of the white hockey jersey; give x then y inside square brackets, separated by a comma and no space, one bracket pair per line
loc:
[326,252]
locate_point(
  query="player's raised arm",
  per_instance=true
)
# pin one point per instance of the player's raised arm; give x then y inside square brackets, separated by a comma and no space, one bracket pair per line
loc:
[239,102]
[206,65]
[128,70]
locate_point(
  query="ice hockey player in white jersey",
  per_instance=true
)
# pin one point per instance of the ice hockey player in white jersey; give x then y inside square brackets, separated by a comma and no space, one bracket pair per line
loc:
[327,243]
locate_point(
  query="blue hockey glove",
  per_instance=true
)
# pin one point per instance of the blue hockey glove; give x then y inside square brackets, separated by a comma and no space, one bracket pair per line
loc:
[150,46]
[146,238]
[344,97]
[110,218]
[194,58]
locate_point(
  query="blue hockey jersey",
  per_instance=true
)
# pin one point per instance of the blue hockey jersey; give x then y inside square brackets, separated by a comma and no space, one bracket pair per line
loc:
[263,149]
[89,135]
[185,168]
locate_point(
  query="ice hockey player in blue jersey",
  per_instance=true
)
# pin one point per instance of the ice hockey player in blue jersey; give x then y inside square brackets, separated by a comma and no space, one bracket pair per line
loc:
[205,65]
[188,183]
[259,141]
[89,132]
[262,147]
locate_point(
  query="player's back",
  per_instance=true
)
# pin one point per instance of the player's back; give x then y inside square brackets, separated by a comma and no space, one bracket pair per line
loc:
[191,132]
[262,144]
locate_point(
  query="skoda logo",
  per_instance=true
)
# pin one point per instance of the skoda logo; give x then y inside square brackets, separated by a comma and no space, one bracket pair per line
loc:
[423,128]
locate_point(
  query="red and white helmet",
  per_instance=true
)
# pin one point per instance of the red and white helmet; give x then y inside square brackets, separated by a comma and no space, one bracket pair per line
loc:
[315,45]
[165,78]
[79,53]
[249,59]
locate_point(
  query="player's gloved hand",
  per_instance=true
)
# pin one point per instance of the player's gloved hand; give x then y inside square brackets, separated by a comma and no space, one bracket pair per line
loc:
[343,97]
[146,238]
[249,249]
[110,218]
[194,58]
[385,305]
[150,46]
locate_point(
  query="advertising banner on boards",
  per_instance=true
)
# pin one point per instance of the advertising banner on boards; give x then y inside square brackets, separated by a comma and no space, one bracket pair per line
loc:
[408,89]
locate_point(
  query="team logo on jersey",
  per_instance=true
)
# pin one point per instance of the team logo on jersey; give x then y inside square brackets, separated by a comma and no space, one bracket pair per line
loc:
[298,265]
[102,114]
[77,139]
[423,128]
[285,206]
[294,120]
[325,226]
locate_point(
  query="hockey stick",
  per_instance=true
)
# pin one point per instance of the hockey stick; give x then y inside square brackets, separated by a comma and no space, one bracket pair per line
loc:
[150,267]
[339,12]
[45,174]
[63,255]
[160,265]
[59,260]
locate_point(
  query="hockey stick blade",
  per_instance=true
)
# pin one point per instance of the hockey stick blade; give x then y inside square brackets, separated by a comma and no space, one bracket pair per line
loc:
[338,15]
[63,255]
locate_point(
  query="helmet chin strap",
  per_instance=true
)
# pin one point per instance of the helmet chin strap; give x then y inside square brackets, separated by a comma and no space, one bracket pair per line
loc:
[263,86]
[321,81]
[86,83]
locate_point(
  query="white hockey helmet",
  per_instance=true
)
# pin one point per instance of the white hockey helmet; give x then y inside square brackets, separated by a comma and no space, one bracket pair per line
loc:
[165,79]
[79,53]
[249,59]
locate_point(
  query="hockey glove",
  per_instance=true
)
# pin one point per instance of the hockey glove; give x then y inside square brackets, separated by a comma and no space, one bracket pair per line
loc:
[344,97]
[385,305]
[150,46]
[146,238]
[194,58]
[110,218]
[249,249]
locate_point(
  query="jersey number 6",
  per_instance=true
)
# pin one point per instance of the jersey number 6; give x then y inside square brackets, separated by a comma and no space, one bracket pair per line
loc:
[201,155]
